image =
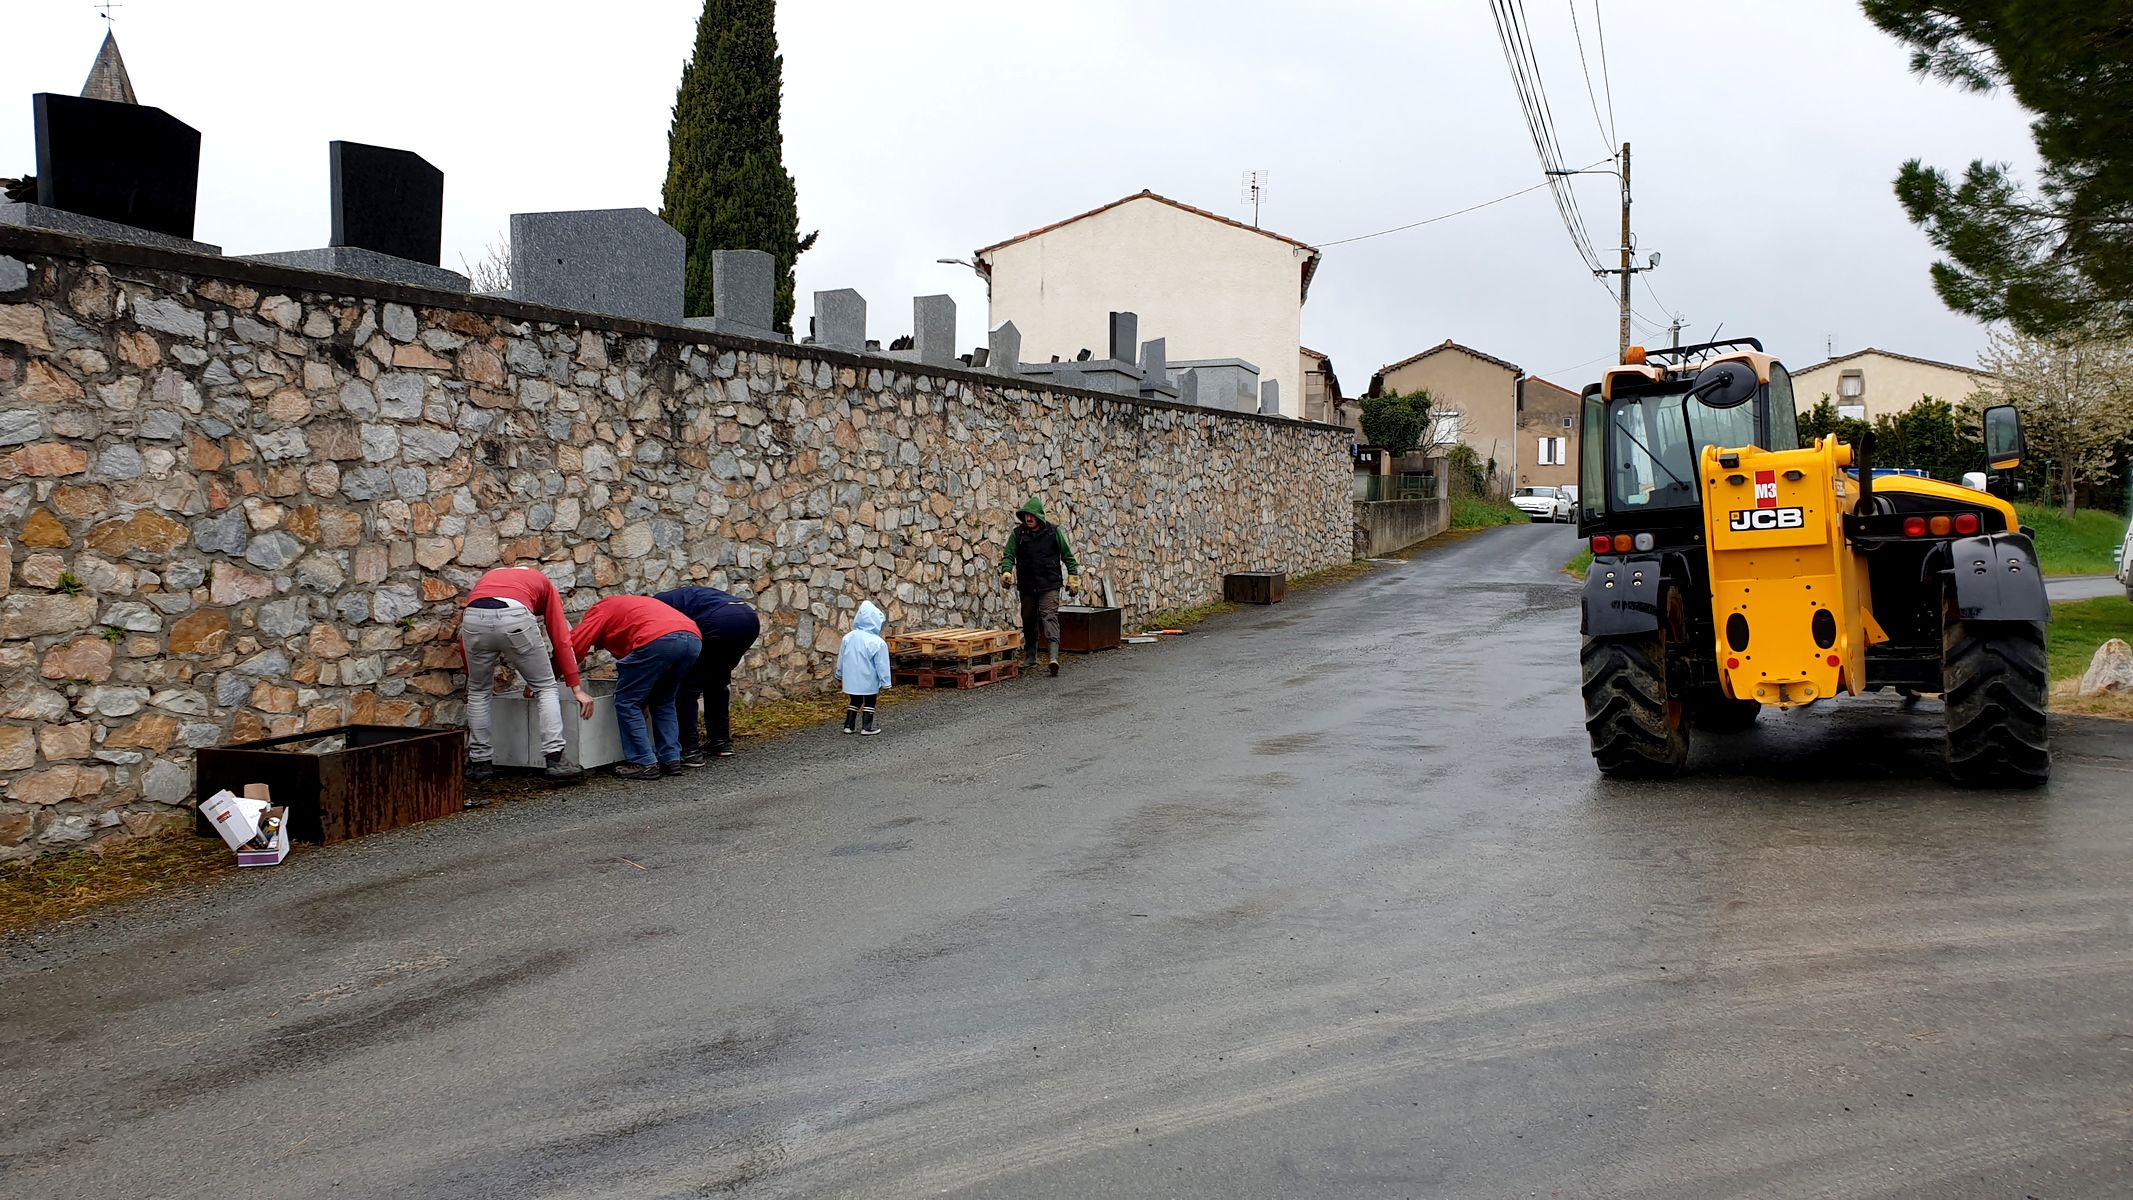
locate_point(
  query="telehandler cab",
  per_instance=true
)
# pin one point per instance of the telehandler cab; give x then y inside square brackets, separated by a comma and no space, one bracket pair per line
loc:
[1734,568]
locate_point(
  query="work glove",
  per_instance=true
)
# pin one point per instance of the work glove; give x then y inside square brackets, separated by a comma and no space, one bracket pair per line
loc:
[1006,580]
[1073,583]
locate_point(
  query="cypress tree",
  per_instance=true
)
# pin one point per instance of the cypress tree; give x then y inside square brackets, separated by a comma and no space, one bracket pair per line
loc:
[726,183]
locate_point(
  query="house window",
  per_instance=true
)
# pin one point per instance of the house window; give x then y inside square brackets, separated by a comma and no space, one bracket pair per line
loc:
[1852,412]
[1851,385]
[1445,431]
[1567,422]
[1554,452]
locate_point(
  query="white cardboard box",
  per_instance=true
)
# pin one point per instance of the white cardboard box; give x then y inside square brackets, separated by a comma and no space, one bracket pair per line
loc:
[253,856]
[515,729]
[234,817]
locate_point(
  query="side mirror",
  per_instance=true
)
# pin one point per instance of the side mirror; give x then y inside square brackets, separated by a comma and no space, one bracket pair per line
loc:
[1725,385]
[2003,437]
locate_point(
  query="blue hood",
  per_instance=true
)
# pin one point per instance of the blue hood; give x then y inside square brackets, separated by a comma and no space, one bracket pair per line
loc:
[870,618]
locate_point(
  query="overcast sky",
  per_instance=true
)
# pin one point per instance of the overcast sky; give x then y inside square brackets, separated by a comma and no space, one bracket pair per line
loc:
[1765,135]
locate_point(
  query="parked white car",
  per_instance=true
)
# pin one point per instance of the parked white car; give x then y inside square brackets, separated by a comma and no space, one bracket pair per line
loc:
[1543,503]
[2125,561]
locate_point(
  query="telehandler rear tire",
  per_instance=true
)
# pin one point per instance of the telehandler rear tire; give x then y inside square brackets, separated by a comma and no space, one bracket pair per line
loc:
[1637,728]
[1715,712]
[1996,684]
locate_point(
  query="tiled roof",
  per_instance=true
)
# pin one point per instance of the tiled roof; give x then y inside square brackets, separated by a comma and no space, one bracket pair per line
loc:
[1449,344]
[1909,358]
[1310,266]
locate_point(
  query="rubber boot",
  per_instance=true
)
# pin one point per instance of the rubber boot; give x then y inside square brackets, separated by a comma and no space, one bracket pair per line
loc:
[851,719]
[870,728]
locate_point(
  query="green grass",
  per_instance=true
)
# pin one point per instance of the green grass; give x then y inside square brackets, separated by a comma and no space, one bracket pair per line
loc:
[2081,545]
[1479,512]
[1580,564]
[2079,626]
[72,882]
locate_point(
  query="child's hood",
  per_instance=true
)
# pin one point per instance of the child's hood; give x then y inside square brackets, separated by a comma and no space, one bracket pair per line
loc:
[870,618]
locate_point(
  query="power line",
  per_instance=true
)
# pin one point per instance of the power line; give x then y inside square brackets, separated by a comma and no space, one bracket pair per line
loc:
[1532,99]
[1606,138]
[1606,81]
[1440,217]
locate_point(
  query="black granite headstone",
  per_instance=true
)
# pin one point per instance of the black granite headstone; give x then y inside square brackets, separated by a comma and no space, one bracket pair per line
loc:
[390,201]
[128,163]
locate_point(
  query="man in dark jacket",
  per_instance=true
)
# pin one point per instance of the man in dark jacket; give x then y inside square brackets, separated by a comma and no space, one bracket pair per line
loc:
[728,627]
[1037,561]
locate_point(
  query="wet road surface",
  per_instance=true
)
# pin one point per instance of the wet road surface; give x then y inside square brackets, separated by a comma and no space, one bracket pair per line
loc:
[1322,900]
[2083,587]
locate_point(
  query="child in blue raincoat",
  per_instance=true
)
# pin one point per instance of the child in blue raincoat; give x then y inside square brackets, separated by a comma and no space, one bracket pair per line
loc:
[863,668]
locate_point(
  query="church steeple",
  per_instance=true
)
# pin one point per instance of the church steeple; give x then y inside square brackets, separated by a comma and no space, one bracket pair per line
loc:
[107,79]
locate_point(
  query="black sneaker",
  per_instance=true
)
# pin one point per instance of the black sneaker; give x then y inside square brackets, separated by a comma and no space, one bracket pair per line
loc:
[696,758]
[671,768]
[630,770]
[722,749]
[480,771]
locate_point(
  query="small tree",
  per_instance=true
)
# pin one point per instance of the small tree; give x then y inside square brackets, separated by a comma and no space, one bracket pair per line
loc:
[491,273]
[1394,422]
[1467,469]
[2075,395]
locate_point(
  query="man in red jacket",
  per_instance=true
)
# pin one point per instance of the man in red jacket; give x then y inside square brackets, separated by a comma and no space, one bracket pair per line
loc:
[504,619]
[654,646]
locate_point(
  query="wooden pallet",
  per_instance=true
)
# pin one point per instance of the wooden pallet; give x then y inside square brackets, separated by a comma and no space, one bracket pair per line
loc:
[927,677]
[943,662]
[955,643]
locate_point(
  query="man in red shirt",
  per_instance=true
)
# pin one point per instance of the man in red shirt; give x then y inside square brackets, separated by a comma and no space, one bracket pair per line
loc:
[505,615]
[654,646]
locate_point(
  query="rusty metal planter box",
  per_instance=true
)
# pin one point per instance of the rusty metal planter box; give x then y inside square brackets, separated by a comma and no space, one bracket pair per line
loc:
[1085,630]
[384,777]
[1256,587]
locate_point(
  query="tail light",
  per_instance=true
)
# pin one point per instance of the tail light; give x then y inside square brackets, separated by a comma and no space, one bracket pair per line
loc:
[1914,527]
[1940,526]
[1624,543]
[1601,543]
[1966,523]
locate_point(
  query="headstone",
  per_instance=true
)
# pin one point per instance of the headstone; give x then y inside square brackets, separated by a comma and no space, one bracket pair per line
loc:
[933,328]
[1225,383]
[841,319]
[1270,398]
[129,172]
[368,264]
[1155,374]
[1189,388]
[622,262]
[385,200]
[1004,349]
[978,357]
[744,295]
[1125,336]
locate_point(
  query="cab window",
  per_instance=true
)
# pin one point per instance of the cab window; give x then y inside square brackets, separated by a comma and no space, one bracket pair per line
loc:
[1784,417]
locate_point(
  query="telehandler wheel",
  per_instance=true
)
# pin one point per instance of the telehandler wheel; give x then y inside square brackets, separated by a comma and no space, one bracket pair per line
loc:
[1638,728]
[1996,685]
[1712,710]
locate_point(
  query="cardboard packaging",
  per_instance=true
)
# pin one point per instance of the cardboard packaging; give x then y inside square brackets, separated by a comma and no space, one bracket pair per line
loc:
[234,817]
[254,856]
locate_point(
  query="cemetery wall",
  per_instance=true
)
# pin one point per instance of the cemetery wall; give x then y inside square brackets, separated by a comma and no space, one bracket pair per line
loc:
[241,499]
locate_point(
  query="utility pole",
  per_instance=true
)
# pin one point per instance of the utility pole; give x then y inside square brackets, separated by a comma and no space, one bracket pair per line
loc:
[1674,329]
[1627,270]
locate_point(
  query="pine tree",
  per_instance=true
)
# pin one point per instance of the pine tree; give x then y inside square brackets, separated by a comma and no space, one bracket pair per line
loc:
[726,183]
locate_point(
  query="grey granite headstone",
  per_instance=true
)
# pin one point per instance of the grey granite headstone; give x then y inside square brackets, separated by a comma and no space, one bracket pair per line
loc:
[1227,383]
[744,295]
[368,264]
[1189,388]
[1155,376]
[841,319]
[1270,398]
[933,328]
[1125,336]
[977,356]
[1004,349]
[59,220]
[623,262]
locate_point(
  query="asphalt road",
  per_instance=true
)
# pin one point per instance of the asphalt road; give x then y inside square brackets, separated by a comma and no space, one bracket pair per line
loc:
[2083,587]
[1321,900]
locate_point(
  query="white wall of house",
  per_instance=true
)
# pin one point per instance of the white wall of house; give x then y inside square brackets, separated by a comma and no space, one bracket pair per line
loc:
[1885,384]
[1211,290]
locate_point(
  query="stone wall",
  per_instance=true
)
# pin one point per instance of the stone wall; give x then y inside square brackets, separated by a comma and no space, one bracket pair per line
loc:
[1383,526]
[240,499]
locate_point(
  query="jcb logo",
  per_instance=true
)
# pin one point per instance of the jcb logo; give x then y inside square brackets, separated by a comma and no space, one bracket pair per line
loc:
[1745,519]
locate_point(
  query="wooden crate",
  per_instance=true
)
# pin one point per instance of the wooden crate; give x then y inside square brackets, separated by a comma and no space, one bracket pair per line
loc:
[955,644]
[381,777]
[976,677]
[1084,630]
[1255,587]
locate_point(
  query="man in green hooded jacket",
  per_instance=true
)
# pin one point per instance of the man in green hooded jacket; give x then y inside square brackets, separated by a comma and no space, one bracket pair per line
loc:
[1037,561]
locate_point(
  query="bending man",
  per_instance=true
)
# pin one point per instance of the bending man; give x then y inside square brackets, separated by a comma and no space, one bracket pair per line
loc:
[728,627]
[506,614]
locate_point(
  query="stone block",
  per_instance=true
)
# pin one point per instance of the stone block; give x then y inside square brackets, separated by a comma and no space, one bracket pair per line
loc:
[368,264]
[933,328]
[841,319]
[1003,353]
[1231,384]
[623,262]
[1270,398]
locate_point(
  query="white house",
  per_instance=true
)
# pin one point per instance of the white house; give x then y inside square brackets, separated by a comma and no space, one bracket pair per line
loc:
[1211,287]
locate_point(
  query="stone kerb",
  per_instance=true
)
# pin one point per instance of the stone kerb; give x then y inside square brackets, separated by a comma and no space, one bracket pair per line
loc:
[233,509]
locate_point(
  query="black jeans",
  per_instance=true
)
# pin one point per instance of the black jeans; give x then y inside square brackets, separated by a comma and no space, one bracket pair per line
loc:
[708,687]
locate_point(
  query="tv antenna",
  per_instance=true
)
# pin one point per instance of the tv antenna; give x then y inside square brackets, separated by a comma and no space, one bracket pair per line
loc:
[1254,192]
